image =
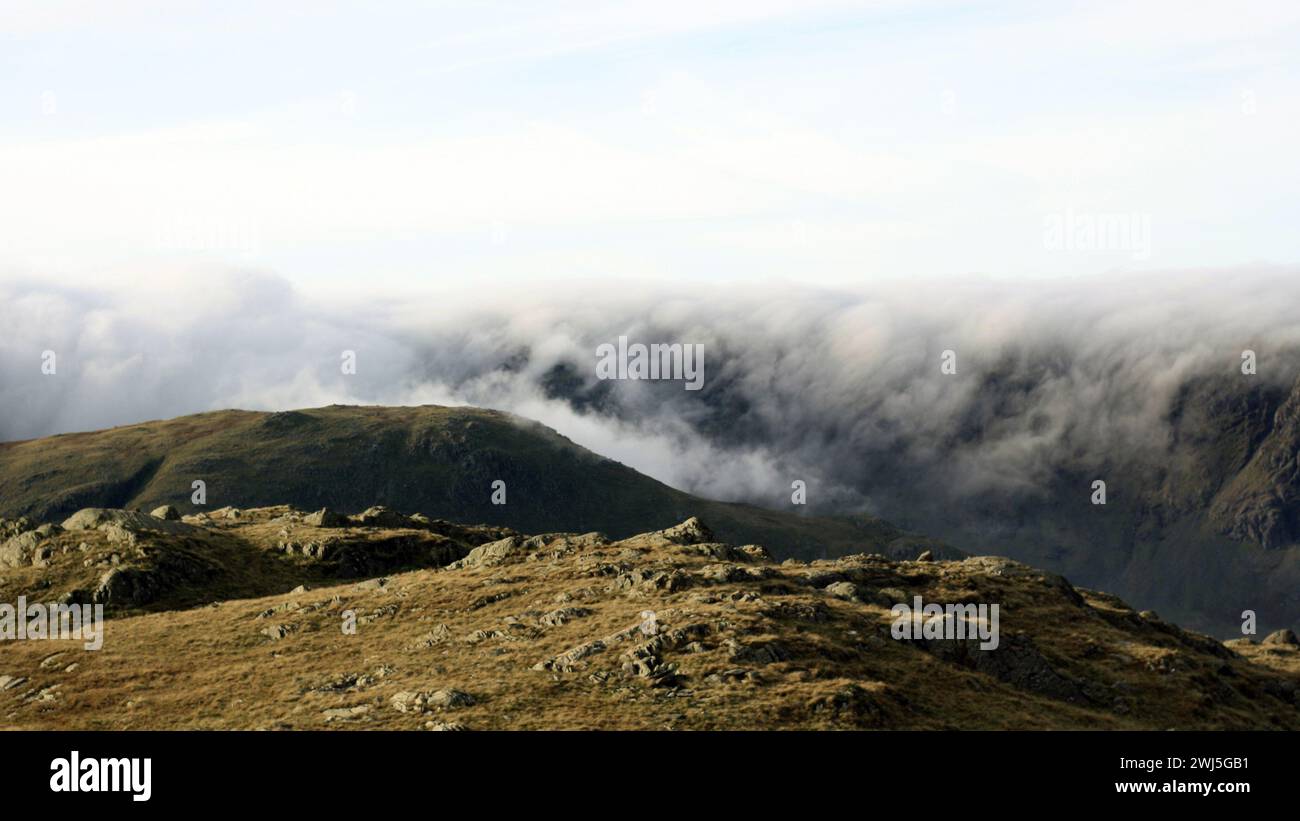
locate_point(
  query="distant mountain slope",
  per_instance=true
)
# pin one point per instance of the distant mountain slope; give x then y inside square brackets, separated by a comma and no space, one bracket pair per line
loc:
[1201,520]
[436,460]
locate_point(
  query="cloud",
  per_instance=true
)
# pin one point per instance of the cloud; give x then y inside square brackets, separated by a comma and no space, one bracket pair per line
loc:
[830,386]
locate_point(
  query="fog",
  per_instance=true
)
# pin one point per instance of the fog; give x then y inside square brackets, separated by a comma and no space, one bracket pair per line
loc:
[800,382]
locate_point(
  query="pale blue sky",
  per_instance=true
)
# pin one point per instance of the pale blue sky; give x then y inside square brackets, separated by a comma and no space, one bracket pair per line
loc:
[412,144]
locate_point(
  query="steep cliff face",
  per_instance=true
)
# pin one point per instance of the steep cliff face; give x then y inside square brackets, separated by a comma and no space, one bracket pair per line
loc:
[1261,502]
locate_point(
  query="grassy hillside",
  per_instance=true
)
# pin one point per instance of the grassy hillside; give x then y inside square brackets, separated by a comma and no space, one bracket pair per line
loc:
[436,460]
[551,631]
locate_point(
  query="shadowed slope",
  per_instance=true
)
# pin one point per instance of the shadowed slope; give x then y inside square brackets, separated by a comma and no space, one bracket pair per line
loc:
[437,460]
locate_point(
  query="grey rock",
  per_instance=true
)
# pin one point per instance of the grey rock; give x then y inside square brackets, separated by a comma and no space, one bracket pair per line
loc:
[325,518]
[445,726]
[843,590]
[493,553]
[1282,637]
[113,521]
[450,699]
[691,531]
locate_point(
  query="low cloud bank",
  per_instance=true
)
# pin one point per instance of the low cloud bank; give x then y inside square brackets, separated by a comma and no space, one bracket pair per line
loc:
[827,386]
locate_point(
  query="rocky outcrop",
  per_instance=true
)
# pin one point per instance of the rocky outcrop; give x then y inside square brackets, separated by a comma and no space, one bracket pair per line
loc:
[166,512]
[325,518]
[125,521]
[1284,638]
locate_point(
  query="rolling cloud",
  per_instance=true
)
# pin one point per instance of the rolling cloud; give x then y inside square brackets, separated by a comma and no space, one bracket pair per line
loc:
[824,385]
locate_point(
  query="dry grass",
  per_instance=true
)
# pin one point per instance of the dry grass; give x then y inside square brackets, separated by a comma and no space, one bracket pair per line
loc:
[211,666]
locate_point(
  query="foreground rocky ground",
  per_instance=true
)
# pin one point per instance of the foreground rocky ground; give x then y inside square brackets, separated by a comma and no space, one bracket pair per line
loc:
[283,619]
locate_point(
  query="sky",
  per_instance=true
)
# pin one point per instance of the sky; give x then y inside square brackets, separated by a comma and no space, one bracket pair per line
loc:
[359,146]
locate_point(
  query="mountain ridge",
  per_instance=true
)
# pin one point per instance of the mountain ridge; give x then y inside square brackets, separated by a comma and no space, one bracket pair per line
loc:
[438,460]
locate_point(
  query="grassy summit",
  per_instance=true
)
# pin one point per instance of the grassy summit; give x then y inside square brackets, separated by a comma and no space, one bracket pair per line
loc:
[437,460]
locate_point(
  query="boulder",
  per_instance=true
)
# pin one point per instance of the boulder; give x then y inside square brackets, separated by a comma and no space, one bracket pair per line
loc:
[492,553]
[449,699]
[445,726]
[167,513]
[1283,637]
[380,516]
[130,521]
[843,590]
[691,531]
[410,701]
[19,550]
[325,518]
[12,527]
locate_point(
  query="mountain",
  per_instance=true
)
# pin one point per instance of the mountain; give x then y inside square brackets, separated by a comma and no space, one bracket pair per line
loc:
[240,619]
[438,460]
[1202,520]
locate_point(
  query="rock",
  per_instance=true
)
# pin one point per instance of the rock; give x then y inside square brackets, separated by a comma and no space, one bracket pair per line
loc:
[445,726]
[46,694]
[11,682]
[1017,661]
[1007,568]
[492,553]
[1282,637]
[480,636]
[926,556]
[557,617]
[889,596]
[852,703]
[12,527]
[380,516]
[721,573]
[166,569]
[450,699]
[410,701]
[19,550]
[758,653]
[567,661]
[433,638]
[843,590]
[691,531]
[346,713]
[166,512]
[113,521]
[42,556]
[325,518]
[275,632]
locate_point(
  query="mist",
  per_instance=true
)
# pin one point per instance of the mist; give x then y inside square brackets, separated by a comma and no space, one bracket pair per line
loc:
[825,385]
